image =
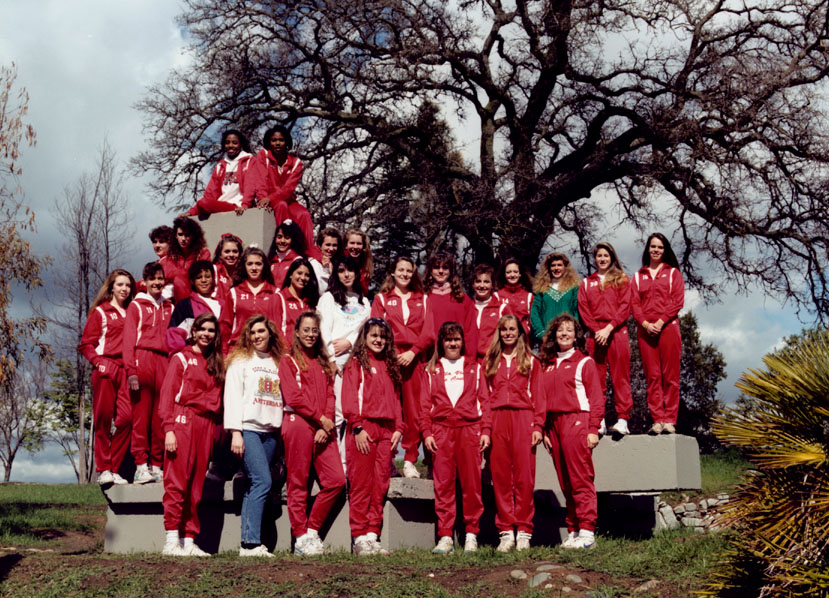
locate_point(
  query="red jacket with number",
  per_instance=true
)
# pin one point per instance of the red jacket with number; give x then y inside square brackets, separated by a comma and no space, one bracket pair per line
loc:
[599,307]
[510,389]
[188,383]
[520,302]
[103,336]
[473,405]
[222,182]
[657,298]
[309,393]
[486,321]
[224,281]
[175,271]
[265,178]
[417,332]
[285,309]
[569,385]
[241,304]
[445,308]
[145,328]
[370,394]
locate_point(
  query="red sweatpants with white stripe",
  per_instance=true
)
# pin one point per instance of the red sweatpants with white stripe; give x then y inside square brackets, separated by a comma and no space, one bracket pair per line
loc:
[185,470]
[512,463]
[567,433]
[615,353]
[458,457]
[412,376]
[368,477]
[147,444]
[111,401]
[661,356]
[301,452]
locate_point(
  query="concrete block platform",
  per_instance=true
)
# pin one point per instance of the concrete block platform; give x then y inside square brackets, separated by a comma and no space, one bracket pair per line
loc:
[630,473]
[255,225]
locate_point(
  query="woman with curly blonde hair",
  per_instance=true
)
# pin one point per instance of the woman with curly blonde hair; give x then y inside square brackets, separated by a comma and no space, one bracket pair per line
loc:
[555,292]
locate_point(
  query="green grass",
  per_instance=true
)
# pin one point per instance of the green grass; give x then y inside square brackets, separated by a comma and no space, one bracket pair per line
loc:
[721,471]
[52,494]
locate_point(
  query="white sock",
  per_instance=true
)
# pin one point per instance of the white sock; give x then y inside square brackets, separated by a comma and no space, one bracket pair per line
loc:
[189,542]
[588,534]
[172,536]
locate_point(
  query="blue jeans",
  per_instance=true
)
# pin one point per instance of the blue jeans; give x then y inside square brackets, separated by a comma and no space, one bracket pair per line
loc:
[260,449]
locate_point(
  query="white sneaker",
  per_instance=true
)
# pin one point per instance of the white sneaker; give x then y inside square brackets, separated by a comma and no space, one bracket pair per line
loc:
[668,428]
[471,543]
[301,544]
[313,546]
[118,480]
[158,473]
[602,428]
[444,546]
[656,429]
[172,549]
[259,551]
[620,427]
[585,539]
[105,478]
[376,547]
[362,546]
[507,542]
[571,539]
[194,550]
[522,542]
[143,476]
[410,471]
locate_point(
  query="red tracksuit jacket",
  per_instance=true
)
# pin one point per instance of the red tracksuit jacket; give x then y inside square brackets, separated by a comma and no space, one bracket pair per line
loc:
[509,389]
[445,309]
[657,298]
[265,178]
[415,333]
[599,307]
[224,281]
[486,321]
[370,394]
[103,337]
[175,272]
[279,267]
[240,305]
[520,303]
[571,385]
[285,309]
[145,328]
[187,383]
[309,393]
[473,404]
[219,178]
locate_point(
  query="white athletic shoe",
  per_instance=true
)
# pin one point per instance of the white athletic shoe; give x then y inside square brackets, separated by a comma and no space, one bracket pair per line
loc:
[471,543]
[507,542]
[143,476]
[570,541]
[585,539]
[362,546]
[313,546]
[668,428]
[301,543]
[258,551]
[410,471]
[118,480]
[522,542]
[105,478]
[620,427]
[194,550]
[376,547]
[158,473]
[444,546]
[656,429]
[602,428]
[172,549]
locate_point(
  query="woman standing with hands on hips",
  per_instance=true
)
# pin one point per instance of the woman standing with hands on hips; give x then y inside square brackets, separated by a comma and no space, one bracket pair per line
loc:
[568,386]
[253,415]
[657,295]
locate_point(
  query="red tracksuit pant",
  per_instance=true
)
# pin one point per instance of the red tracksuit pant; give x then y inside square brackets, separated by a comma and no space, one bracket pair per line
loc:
[368,477]
[410,390]
[615,353]
[295,211]
[214,206]
[567,433]
[660,358]
[111,401]
[301,452]
[458,457]
[147,437]
[512,462]
[185,470]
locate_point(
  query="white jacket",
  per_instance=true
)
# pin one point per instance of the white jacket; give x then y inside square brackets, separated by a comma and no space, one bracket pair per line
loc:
[341,322]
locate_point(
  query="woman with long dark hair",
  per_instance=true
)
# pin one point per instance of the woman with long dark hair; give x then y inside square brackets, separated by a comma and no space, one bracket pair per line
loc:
[188,246]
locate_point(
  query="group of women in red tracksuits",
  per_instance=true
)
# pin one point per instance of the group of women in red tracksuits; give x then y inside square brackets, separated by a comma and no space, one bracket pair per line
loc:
[240,349]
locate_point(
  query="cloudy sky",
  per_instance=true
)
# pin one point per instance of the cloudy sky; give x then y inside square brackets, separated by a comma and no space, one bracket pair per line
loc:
[85,64]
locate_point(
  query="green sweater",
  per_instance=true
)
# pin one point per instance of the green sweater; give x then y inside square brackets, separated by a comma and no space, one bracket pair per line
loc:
[549,304]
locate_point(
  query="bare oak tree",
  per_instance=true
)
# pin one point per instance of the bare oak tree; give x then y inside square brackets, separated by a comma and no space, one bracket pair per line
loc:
[705,119]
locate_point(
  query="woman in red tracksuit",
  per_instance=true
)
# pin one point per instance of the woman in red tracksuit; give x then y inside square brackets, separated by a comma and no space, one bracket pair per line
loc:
[191,399]
[403,305]
[371,385]
[568,387]
[224,191]
[657,295]
[188,246]
[145,360]
[488,308]
[510,370]
[456,430]
[252,293]
[515,287]
[307,379]
[604,307]
[272,179]
[225,262]
[101,344]
[447,300]
[299,293]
